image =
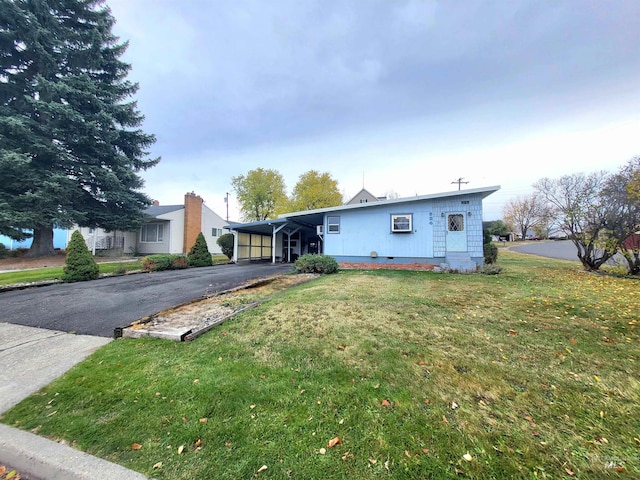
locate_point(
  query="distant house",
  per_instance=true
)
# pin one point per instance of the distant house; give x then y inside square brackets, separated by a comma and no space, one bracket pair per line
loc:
[364,196]
[166,229]
[433,229]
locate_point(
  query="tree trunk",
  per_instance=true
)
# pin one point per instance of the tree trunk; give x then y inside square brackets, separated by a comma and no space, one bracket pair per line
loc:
[42,244]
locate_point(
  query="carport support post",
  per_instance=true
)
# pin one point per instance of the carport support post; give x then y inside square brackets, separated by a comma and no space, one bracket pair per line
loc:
[273,242]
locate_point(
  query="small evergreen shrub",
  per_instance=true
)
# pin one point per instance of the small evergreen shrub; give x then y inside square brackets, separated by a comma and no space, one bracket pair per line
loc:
[491,269]
[157,263]
[79,264]
[225,242]
[4,253]
[199,255]
[313,263]
[490,253]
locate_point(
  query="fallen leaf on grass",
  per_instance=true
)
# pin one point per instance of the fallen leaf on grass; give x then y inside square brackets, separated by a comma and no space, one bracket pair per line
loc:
[425,451]
[372,461]
[467,457]
[180,449]
[385,403]
[333,442]
[347,455]
[158,465]
[262,469]
[407,454]
[3,470]
[569,472]
[198,443]
[204,420]
[322,451]
[454,405]
[136,446]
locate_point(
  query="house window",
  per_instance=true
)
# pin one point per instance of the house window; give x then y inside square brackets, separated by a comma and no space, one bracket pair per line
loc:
[333,224]
[152,233]
[456,223]
[363,200]
[402,223]
[216,232]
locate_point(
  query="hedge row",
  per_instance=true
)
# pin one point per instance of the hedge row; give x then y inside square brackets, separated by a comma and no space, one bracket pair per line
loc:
[156,263]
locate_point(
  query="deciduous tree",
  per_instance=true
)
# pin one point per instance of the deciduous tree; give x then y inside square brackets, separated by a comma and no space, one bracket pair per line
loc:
[623,218]
[583,213]
[315,190]
[260,193]
[523,213]
[70,139]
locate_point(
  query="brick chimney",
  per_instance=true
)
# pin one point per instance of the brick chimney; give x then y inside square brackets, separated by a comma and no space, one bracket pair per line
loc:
[192,219]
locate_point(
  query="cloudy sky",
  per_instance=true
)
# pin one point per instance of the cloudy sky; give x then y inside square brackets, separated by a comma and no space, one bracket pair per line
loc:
[401,96]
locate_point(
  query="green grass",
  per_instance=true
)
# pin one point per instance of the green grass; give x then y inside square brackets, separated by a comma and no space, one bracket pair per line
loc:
[533,373]
[55,273]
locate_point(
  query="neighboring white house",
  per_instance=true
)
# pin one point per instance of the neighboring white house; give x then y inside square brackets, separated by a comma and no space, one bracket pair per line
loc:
[434,229]
[167,229]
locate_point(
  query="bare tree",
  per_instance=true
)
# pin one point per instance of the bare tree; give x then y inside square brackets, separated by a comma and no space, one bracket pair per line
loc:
[621,193]
[583,213]
[524,213]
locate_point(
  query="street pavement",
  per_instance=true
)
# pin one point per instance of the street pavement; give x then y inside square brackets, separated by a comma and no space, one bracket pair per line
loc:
[561,249]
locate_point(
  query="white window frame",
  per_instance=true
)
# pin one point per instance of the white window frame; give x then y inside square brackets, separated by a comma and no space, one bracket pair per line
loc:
[159,232]
[394,223]
[216,232]
[333,224]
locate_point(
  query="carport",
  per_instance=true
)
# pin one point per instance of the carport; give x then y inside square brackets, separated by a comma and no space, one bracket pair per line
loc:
[279,240]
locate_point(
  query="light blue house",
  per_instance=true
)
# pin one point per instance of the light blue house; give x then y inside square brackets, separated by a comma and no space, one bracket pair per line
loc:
[444,228]
[59,240]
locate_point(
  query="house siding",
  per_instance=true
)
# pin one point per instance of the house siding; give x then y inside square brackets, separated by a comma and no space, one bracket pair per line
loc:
[366,235]
[211,220]
[173,235]
[368,231]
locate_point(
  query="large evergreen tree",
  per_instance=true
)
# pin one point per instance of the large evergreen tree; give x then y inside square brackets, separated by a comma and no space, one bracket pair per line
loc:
[70,138]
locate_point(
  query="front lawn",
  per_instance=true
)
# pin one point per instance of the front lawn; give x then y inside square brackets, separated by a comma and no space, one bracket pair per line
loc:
[533,373]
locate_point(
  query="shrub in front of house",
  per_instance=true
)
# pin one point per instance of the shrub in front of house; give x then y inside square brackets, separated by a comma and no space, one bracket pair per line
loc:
[79,264]
[157,263]
[225,242]
[490,253]
[199,255]
[4,253]
[313,263]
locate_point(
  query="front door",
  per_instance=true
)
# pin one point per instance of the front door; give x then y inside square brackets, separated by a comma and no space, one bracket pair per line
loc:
[456,233]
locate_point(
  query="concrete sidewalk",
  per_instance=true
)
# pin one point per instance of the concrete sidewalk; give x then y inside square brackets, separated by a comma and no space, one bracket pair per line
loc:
[31,358]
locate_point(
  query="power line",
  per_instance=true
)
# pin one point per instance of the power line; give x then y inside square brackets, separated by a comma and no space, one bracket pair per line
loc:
[459,181]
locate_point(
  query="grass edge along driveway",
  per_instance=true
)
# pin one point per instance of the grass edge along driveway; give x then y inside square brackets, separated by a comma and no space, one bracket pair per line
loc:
[533,373]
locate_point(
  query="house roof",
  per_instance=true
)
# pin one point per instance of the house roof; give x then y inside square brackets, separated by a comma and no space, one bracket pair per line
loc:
[157,210]
[311,218]
[485,192]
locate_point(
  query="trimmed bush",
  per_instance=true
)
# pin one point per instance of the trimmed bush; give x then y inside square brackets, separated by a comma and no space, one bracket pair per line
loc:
[4,253]
[490,253]
[199,255]
[157,263]
[313,263]
[79,264]
[225,242]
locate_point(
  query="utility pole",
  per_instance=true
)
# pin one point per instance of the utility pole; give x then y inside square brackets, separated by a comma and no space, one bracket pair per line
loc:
[226,200]
[459,181]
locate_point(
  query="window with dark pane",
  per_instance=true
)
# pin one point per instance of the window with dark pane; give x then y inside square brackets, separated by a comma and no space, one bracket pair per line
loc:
[456,223]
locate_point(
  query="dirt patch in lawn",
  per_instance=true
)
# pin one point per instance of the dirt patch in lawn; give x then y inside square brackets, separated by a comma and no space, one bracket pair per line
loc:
[187,322]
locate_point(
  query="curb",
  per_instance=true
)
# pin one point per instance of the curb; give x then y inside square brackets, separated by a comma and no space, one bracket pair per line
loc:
[43,459]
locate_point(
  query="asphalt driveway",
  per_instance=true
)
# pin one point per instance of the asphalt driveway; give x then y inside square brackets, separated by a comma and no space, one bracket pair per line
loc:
[99,306]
